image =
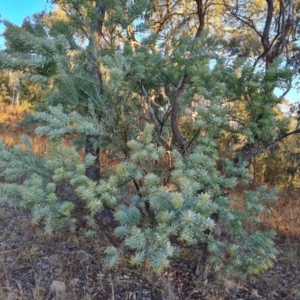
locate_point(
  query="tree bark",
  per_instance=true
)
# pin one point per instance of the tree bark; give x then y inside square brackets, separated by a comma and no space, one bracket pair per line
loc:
[93,171]
[104,219]
[204,263]
[247,153]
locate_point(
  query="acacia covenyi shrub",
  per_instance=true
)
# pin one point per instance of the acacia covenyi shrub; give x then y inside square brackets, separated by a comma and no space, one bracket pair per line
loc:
[160,220]
[183,116]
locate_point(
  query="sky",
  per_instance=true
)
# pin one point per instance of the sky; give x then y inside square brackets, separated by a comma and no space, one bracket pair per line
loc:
[17,10]
[292,96]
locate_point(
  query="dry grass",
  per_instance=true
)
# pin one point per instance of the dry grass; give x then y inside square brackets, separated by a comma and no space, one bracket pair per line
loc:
[285,217]
[11,132]
[12,113]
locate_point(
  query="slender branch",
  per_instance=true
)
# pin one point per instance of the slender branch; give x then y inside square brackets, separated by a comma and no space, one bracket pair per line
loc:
[181,141]
[174,84]
[193,138]
[266,51]
[286,135]
[155,120]
[201,15]
[247,22]
[238,121]
[266,33]
[253,153]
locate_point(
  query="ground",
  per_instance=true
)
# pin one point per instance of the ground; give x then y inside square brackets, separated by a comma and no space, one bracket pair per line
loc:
[30,261]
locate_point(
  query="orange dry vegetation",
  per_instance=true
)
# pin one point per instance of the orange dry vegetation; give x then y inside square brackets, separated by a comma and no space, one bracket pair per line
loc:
[11,113]
[285,212]
[11,132]
[285,217]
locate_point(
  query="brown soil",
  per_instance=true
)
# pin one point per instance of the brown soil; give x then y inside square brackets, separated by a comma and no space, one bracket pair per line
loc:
[30,261]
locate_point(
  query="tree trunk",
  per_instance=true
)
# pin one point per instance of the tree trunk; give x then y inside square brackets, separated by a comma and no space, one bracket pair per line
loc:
[93,171]
[205,263]
[104,219]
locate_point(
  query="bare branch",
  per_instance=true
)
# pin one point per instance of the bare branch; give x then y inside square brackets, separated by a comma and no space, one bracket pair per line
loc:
[245,20]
